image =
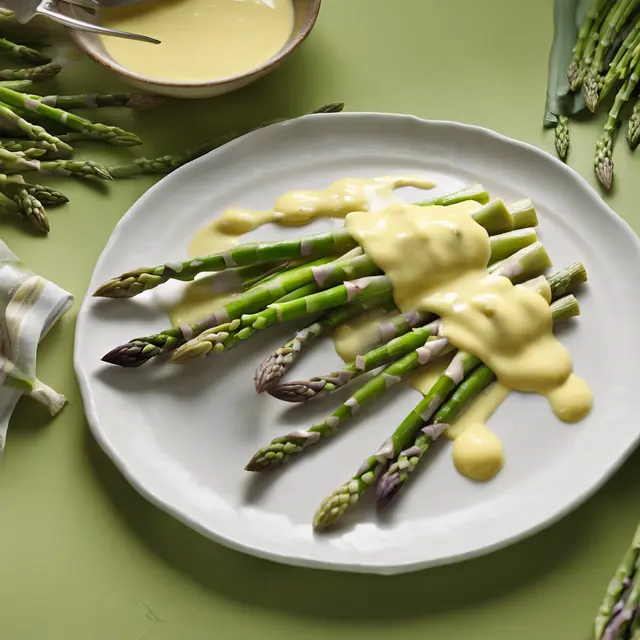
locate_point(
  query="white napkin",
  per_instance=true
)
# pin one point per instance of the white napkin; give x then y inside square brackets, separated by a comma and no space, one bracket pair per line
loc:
[29,307]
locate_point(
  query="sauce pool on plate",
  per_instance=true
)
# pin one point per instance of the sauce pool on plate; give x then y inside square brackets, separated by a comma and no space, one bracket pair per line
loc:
[200,39]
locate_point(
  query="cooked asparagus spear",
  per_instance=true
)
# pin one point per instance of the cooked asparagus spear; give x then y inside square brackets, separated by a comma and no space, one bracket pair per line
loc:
[304,390]
[136,352]
[270,371]
[428,429]
[280,449]
[134,282]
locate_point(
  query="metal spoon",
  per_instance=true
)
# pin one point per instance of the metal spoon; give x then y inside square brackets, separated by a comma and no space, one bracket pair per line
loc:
[24,10]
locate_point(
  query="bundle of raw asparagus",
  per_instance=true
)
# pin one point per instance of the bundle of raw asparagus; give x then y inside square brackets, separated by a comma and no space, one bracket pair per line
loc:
[606,57]
[619,614]
[39,131]
[328,277]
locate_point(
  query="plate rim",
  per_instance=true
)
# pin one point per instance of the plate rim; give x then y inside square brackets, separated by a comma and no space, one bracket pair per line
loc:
[175,511]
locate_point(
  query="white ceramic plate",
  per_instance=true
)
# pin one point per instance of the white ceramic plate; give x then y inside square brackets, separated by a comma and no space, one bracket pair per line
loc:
[181,435]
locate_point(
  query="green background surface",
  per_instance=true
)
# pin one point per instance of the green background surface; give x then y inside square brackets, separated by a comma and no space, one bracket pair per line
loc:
[82,555]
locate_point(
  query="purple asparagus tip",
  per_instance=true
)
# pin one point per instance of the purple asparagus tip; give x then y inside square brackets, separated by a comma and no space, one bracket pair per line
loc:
[131,354]
[387,488]
[604,173]
[267,374]
[298,390]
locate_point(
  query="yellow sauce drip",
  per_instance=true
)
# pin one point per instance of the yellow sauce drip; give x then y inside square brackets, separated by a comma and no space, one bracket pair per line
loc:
[294,208]
[358,335]
[436,259]
[478,453]
[298,208]
[200,39]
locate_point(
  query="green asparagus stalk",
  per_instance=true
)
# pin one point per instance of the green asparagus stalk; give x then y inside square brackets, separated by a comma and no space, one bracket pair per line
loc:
[583,36]
[621,580]
[17,145]
[562,137]
[398,473]
[620,63]
[34,132]
[23,86]
[633,130]
[405,341]
[271,370]
[6,14]
[283,447]
[494,216]
[590,86]
[138,351]
[523,214]
[10,184]
[603,162]
[264,275]
[601,17]
[134,282]
[168,163]
[107,133]
[32,210]
[626,608]
[140,102]
[475,192]
[32,73]
[13,163]
[25,53]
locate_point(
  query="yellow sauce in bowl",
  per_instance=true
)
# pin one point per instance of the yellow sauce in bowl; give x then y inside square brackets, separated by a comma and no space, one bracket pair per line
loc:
[200,39]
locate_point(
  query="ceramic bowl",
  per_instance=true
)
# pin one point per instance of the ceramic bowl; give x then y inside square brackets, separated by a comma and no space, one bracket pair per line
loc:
[305,15]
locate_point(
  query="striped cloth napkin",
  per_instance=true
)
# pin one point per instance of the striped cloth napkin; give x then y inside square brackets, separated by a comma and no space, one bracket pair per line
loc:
[29,307]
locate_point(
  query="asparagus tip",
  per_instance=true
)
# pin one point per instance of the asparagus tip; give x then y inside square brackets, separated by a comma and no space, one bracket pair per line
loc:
[128,355]
[604,173]
[267,374]
[387,489]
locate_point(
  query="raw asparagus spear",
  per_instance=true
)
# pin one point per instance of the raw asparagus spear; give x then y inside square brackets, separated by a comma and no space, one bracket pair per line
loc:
[271,370]
[620,64]
[16,145]
[633,130]
[620,581]
[585,30]
[34,132]
[625,609]
[136,352]
[405,342]
[46,195]
[420,420]
[23,86]
[267,274]
[107,133]
[141,101]
[13,163]
[603,162]
[134,282]
[168,163]
[25,53]
[590,86]
[562,137]
[31,209]
[32,73]
[283,447]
